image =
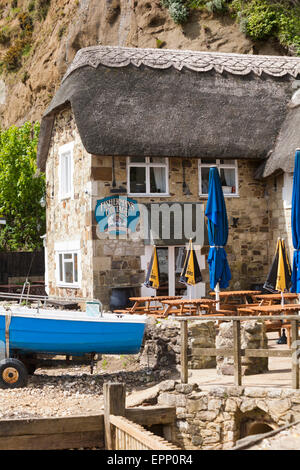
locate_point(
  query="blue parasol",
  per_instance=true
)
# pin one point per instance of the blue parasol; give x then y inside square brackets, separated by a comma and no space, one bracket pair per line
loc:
[216,214]
[296,225]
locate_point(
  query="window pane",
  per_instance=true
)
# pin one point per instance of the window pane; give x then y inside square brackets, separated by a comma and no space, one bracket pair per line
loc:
[137,180]
[65,173]
[137,159]
[208,161]
[68,267]
[227,162]
[162,256]
[67,255]
[228,180]
[204,180]
[158,160]
[158,180]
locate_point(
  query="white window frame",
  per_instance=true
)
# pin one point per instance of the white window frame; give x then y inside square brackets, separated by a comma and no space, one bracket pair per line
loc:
[68,248]
[219,166]
[62,151]
[147,164]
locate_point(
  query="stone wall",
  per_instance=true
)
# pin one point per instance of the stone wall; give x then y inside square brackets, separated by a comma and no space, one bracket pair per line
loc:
[279,214]
[216,417]
[109,263]
[247,248]
[69,219]
[253,336]
[161,347]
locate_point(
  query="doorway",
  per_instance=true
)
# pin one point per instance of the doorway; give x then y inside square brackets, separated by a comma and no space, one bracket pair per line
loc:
[171,260]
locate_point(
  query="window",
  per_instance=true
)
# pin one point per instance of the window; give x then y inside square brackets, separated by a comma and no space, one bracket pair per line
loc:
[147,175]
[287,190]
[228,174]
[67,264]
[66,171]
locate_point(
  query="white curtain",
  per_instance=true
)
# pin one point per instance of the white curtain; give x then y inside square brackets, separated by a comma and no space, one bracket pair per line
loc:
[160,179]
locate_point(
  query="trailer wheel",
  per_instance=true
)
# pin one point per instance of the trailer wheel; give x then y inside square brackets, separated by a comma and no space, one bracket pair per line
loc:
[13,373]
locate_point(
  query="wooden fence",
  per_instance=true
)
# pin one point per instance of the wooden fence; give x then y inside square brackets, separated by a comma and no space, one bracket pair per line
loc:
[237,352]
[101,431]
[20,264]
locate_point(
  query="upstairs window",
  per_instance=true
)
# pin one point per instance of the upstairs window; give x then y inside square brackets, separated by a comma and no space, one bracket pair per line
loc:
[66,171]
[147,176]
[228,171]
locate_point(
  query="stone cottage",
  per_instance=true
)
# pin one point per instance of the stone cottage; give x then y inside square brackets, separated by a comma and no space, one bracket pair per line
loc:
[127,143]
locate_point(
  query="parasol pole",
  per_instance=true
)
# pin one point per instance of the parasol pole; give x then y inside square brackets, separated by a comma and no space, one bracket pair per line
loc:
[217,291]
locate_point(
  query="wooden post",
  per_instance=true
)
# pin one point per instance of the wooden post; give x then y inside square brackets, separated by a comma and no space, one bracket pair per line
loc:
[295,359]
[114,395]
[183,354]
[237,352]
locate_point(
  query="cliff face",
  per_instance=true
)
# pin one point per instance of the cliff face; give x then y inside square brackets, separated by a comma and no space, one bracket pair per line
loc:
[54,30]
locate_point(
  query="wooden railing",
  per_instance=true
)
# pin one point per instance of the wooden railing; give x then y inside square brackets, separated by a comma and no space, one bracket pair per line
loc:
[237,352]
[131,436]
[122,433]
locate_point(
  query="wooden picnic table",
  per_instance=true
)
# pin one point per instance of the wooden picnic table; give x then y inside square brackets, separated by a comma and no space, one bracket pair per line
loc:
[236,294]
[274,309]
[271,299]
[192,306]
[142,304]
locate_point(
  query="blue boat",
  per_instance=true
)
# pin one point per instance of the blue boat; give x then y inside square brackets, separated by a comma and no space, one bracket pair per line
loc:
[25,331]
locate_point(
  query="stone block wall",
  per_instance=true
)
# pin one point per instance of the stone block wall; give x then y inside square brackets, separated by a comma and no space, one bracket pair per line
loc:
[253,336]
[161,347]
[279,215]
[69,219]
[216,417]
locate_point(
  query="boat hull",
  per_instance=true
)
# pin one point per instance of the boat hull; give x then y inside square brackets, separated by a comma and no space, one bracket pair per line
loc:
[29,334]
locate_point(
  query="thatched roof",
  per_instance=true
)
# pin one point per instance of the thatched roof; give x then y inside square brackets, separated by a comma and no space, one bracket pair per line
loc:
[283,156]
[174,103]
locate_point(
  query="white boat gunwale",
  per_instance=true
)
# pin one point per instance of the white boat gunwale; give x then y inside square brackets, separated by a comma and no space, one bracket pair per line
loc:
[68,315]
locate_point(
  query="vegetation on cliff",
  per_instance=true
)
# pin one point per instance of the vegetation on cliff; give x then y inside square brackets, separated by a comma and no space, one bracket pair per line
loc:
[258,19]
[22,188]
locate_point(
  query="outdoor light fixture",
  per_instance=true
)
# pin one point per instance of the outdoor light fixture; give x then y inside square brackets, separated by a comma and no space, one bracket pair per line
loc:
[43,201]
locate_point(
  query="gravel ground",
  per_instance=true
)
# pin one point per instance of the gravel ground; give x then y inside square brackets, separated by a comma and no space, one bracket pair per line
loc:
[72,390]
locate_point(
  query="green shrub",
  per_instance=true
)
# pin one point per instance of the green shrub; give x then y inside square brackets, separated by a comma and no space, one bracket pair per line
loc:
[41,8]
[4,36]
[178,10]
[216,6]
[12,58]
[260,19]
[25,22]
[31,5]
